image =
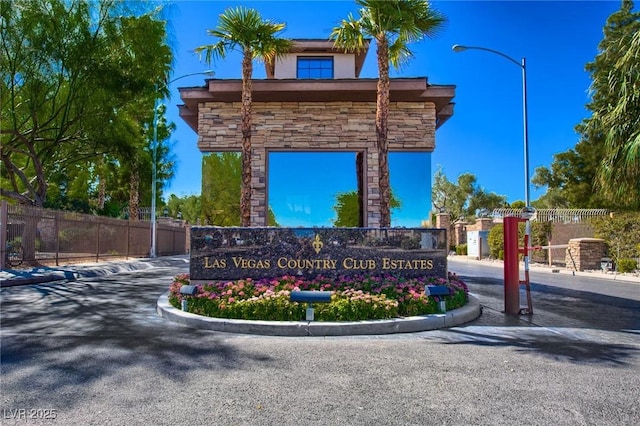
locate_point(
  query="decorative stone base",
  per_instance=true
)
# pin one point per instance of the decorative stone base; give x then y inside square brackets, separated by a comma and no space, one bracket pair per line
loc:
[229,253]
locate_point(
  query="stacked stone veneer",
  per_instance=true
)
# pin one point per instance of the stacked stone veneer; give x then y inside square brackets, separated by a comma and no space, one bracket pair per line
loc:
[585,254]
[443,221]
[316,126]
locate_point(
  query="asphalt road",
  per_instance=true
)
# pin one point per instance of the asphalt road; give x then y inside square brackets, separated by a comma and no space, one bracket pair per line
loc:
[94,352]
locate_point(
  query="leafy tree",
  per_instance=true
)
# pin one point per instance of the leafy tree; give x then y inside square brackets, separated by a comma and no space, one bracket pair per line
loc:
[347,209]
[221,186]
[571,179]
[71,73]
[464,198]
[518,204]
[244,29]
[394,24]
[188,208]
[603,170]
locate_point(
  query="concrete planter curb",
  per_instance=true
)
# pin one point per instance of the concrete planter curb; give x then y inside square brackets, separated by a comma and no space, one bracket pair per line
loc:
[459,316]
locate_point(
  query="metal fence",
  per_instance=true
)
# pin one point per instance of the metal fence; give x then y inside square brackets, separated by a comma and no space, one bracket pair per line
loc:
[51,237]
[553,215]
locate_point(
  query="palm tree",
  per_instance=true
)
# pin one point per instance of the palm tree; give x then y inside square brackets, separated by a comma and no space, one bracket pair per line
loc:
[393,24]
[245,30]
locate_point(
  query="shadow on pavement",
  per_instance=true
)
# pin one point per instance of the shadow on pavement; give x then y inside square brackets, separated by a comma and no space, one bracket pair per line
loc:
[558,307]
[557,348]
[87,332]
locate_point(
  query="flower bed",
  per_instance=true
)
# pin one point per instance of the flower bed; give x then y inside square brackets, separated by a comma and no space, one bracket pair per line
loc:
[354,298]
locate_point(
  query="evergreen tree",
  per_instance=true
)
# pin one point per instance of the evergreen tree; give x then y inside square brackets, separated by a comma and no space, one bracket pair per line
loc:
[603,170]
[616,107]
[221,187]
[77,89]
[463,199]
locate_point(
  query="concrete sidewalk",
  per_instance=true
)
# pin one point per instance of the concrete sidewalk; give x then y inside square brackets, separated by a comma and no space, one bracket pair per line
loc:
[539,267]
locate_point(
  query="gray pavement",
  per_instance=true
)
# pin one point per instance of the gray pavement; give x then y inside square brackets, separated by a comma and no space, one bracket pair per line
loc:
[94,351]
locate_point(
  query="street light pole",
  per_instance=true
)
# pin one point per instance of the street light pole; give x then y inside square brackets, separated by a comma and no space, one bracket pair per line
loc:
[523,65]
[528,211]
[152,252]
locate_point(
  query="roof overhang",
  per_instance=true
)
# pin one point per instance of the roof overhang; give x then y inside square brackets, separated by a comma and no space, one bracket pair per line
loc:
[354,90]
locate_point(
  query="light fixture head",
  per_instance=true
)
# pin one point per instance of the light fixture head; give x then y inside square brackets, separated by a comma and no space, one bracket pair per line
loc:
[458,48]
[528,213]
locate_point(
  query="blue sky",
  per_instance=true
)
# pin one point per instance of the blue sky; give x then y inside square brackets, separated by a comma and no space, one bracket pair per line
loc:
[485,134]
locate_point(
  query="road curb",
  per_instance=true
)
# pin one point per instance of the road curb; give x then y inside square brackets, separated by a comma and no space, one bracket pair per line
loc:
[467,313]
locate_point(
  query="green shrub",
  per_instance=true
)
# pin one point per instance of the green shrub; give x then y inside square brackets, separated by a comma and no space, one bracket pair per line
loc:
[626,265]
[354,298]
[621,231]
[496,242]
[461,249]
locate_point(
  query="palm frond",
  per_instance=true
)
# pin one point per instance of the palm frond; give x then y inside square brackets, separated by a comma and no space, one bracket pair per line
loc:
[213,52]
[349,35]
[244,30]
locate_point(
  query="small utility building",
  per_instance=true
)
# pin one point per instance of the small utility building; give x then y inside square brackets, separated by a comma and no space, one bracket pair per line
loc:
[314,100]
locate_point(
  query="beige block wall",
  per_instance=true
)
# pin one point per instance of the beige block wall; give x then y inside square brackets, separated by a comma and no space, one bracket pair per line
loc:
[314,126]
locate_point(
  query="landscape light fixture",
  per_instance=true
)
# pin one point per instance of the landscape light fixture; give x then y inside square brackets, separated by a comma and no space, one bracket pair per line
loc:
[152,252]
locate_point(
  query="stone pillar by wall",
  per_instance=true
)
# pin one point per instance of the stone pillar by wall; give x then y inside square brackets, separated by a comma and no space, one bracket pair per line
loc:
[443,221]
[484,224]
[460,233]
[258,187]
[584,254]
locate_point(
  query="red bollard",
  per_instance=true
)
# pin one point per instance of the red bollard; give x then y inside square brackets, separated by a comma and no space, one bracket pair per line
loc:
[511,263]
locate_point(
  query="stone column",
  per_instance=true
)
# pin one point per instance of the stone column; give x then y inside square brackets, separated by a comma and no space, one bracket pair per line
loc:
[483,224]
[372,218]
[443,221]
[585,254]
[460,236]
[258,187]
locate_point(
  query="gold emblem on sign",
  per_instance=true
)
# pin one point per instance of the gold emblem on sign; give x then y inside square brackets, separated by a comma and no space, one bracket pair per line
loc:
[317,244]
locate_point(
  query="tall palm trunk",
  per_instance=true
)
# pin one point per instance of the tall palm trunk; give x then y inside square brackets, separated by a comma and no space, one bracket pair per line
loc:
[382,119]
[245,117]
